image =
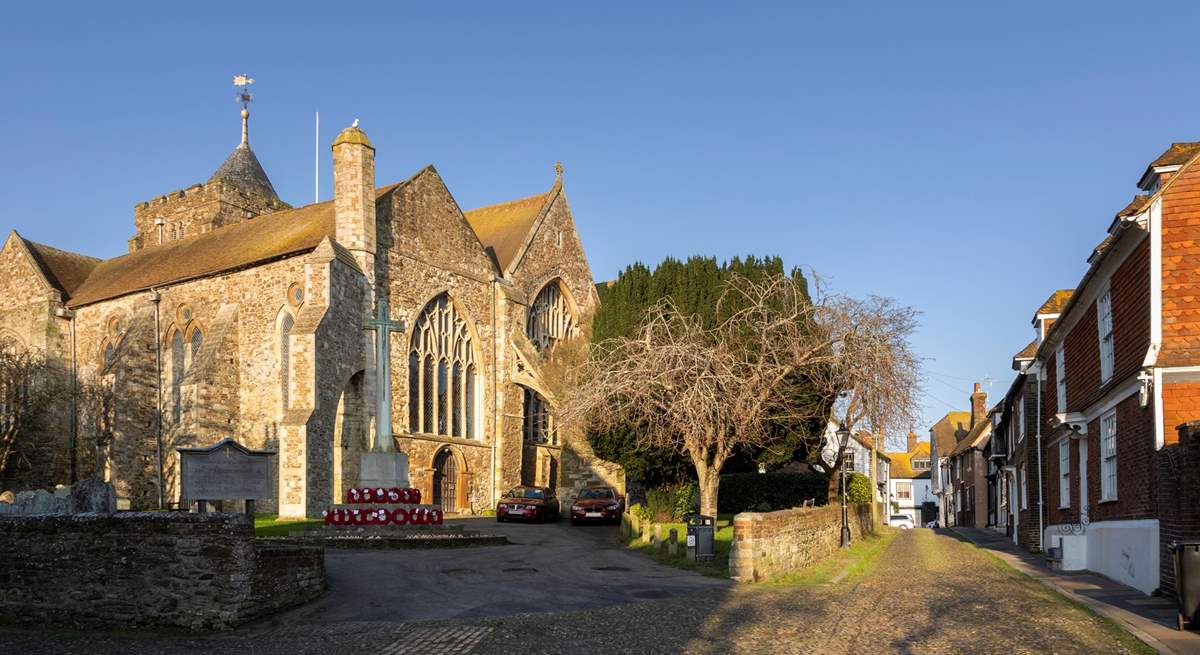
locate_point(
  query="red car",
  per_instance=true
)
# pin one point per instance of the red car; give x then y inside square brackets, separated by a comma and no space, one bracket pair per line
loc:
[601,504]
[527,504]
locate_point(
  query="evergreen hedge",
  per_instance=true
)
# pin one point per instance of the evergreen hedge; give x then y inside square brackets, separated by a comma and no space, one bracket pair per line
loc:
[764,492]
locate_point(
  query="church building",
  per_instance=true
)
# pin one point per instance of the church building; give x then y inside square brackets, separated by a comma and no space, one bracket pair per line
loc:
[234,314]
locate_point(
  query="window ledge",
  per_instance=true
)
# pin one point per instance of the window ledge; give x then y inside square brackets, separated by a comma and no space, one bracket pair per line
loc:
[1109,500]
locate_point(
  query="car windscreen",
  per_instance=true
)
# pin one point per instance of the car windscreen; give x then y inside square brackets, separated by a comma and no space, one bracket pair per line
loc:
[525,492]
[899,517]
[602,493]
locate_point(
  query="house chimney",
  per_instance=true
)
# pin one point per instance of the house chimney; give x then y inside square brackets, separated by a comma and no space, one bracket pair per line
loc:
[978,406]
[912,441]
[354,196]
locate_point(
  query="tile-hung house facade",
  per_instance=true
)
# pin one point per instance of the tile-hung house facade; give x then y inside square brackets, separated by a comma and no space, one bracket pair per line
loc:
[944,435]
[1119,370]
[965,490]
[909,490]
[246,317]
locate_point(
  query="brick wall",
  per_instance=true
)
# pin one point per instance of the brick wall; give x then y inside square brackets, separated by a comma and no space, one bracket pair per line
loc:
[197,571]
[1135,461]
[1176,485]
[770,544]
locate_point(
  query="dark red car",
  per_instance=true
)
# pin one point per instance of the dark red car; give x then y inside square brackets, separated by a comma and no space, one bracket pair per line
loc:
[602,504]
[527,504]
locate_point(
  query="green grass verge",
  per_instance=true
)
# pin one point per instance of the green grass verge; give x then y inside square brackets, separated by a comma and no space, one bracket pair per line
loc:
[722,541]
[270,525]
[845,566]
[1114,629]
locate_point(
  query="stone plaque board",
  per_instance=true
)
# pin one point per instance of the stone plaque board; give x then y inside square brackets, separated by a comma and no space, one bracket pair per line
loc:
[225,470]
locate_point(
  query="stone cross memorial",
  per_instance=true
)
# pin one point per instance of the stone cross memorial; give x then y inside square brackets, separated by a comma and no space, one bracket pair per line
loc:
[225,470]
[383,466]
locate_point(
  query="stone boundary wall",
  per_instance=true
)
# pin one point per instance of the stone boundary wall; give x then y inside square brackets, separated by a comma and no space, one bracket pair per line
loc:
[133,569]
[770,544]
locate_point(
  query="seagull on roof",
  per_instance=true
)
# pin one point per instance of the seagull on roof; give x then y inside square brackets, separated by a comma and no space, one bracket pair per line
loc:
[355,123]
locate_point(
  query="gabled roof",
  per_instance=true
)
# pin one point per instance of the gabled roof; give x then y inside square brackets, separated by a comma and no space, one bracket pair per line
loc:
[1027,352]
[232,247]
[1055,302]
[1135,206]
[1177,154]
[976,438]
[902,462]
[947,431]
[503,228]
[65,271]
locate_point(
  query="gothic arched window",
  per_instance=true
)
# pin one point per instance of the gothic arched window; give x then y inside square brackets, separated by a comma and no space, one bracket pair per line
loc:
[539,424]
[285,360]
[177,363]
[550,317]
[441,372]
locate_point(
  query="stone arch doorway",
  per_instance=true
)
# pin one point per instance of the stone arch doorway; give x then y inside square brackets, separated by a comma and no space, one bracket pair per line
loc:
[449,482]
[349,436]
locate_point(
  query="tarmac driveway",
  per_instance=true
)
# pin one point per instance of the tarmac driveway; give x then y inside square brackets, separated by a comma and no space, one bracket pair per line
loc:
[551,567]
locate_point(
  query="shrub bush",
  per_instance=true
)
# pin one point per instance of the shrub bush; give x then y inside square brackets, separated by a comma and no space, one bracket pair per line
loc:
[639,510]
[670,503]
[859,487]
[742,492]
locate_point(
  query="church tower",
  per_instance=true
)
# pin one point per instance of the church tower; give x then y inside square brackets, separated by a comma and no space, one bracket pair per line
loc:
[238,191]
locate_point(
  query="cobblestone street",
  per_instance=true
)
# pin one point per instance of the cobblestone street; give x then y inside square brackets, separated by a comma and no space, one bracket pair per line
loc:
[928,592]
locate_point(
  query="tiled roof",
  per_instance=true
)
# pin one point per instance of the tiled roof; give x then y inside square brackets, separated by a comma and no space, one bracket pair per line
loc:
[502,228]
[1055,302]
[1135,206]
[976,438]
[1028,352]
[902,462]
[1177,155]
[949,429]
[266,237]
[65,270]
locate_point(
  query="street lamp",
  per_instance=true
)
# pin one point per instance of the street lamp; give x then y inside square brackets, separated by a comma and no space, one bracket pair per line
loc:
[843,435]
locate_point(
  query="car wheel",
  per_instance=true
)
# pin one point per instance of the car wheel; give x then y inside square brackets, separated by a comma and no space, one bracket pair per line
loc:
[574,522]
[499,519]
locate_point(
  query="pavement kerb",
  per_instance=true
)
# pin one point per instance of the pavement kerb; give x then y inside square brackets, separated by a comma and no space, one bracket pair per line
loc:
[1127,620]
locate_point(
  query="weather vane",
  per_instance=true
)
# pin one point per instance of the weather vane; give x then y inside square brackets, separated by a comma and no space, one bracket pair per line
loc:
[243,82]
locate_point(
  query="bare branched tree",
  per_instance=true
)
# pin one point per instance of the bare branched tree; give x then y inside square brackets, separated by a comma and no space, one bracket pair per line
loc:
[28,383]
[706,391]
[776,355]
[878,374]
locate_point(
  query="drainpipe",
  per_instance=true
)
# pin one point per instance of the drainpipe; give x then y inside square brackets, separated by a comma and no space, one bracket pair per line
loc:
[495,392]
[1041,483]
[155,298]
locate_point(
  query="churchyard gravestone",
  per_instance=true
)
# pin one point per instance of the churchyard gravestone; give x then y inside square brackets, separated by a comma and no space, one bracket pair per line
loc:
[225,470]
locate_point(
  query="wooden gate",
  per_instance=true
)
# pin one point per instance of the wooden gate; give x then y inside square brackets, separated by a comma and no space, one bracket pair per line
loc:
[445,482]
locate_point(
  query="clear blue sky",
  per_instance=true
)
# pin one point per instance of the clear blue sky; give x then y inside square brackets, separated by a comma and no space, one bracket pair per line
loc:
[963,160]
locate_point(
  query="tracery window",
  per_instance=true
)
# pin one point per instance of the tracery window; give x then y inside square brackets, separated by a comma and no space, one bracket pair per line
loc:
[550,317]
[539,424]
[182,358]
[441,372]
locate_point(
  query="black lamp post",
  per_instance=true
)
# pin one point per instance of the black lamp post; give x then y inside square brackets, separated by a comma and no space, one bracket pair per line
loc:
[843,435]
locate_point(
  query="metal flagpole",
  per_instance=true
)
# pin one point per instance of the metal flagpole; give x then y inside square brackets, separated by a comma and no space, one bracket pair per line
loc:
[317,161]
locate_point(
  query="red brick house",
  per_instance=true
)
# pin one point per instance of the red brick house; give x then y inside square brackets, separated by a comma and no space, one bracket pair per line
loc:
[1115,372]
[963,493]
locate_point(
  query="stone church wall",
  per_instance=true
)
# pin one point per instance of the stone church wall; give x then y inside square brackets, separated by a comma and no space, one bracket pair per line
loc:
[426,248]
[231,390]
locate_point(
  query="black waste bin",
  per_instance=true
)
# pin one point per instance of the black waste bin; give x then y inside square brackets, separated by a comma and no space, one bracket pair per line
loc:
[700,537]
[1187,580]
